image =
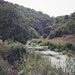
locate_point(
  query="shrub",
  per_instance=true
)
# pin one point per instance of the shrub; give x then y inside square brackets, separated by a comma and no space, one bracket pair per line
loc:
[15,53]
[35,64]
[4,68]
[4,51]
[63,36]
[60,50]
[39,42]
[48,43]
[56,50]
[42,44]
[45,36]
[28,42]
[52,48]
[51,35]
[64,52]
[45,47]
[12,52]
[69,46]
[69,54]
[34,42]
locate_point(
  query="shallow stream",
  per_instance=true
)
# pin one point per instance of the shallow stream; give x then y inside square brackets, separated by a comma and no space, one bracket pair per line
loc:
[57,58]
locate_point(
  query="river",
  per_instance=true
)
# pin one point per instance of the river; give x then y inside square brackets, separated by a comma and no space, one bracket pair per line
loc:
[57,58]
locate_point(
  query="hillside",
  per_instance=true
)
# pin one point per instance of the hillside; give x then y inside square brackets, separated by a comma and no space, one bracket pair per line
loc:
[21,28]
[34,23]
[24,18]
[66,27]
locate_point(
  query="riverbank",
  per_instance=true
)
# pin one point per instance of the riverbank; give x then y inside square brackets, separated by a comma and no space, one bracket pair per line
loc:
[16,57]
[57,46]
[57,59]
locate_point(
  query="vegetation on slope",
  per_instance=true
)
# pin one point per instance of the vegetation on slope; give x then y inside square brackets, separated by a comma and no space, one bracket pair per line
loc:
[10,24]
[14,25]
[24,61]
[21,24]
[66,27]
[24,20]
[57,45]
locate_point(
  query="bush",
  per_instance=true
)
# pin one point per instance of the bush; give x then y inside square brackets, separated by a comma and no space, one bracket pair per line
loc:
[70,46]
[45,47]
[34,42]
[15,53]
[64,52]
[69,54]
[63,36]
[39,42]
[4,68]
[28,42]
[48,43]
[56,50]
[51,35]
[45,36]
[42,44]
[4,51]
[60,50]
[35,64]
[12,52]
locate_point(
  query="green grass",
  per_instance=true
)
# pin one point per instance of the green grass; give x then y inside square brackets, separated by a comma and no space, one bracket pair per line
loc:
[35,64]
[4,68]
[29,63]
[55,45]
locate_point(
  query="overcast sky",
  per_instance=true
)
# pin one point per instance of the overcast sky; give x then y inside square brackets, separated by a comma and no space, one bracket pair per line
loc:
[50,7]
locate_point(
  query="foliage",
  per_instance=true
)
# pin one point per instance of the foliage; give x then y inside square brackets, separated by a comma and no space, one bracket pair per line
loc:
[16,26]
[35,64]
[45,36]
[4,68]
[66,26]
[12,52]
[51,35]
[10,24]
[17,23]
[56,50]
[70,46]
[21,24]
[24,61]
[64,52]
[43,18]
[55,46]
[28,42]
[34,33]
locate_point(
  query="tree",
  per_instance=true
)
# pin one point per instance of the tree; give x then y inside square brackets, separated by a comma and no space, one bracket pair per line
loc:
[52,34]
[12,25]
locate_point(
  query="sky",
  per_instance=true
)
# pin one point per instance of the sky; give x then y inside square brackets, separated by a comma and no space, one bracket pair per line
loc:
[50,7]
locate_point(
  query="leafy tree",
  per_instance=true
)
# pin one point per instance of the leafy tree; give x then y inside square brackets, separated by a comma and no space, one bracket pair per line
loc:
[45,36]
[52,34]
[11,25]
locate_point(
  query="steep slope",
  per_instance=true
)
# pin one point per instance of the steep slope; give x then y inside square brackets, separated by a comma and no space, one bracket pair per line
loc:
[38,15]
[64,25]
[21,24]
[14,24]
[10,21]
[17,20]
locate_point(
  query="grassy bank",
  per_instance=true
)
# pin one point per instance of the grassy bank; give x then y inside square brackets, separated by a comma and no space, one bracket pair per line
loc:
[24,62]
[67,48]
